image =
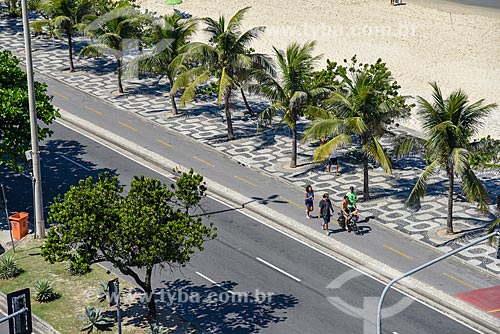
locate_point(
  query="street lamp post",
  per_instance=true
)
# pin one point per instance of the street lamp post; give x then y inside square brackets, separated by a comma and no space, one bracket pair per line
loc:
[38,205]
[425,265]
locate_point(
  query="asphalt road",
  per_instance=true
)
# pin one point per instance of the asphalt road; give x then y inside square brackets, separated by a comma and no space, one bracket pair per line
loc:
[287,286]
[381,243]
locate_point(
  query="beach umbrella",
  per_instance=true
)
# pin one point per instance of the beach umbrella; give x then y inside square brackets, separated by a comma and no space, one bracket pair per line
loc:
[173,2]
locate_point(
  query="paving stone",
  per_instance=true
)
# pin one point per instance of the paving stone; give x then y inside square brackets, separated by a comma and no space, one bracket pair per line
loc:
[270,150]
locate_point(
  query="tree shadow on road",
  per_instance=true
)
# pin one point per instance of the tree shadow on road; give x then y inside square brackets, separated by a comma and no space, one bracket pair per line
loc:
[214,309]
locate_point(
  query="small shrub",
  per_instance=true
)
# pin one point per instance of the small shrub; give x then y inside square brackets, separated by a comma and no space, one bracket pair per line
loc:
[8,267]
[44,292]
[102,291]
[94,320]
[156,329]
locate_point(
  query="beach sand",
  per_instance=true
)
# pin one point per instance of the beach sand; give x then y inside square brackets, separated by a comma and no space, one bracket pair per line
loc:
[457,46]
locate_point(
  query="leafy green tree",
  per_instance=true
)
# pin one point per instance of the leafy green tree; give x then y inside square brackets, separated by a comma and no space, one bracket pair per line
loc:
[152,225]
[15,135]
[287,90]
[115,31]
[66,16]
[449,124]
[168,38]
[363,104]
[227,52]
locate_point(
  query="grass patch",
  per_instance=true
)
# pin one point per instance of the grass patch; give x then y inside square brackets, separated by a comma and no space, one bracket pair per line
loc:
[76,292]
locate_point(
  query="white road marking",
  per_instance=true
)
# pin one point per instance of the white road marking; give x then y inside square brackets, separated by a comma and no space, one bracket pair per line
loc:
[169,176]
[214,282]
[278,269]
[76,163]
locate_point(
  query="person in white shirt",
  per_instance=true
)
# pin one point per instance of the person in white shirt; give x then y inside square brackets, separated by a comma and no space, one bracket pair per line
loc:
[333,160]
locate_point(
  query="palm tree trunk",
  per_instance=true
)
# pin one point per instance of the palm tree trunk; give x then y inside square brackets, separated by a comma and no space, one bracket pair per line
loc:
[366,190]
[230,133]
[293,162]
[70,51]
[451,181]
[172,97]
[250,111]
[119,64]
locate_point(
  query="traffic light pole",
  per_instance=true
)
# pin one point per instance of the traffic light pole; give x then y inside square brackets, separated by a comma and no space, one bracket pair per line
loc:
[35,158]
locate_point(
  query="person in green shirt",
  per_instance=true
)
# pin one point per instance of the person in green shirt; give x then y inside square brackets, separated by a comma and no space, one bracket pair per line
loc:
[353,197]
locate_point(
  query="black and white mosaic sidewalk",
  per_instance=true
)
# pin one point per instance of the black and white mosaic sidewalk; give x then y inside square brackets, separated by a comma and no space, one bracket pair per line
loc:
[270,151]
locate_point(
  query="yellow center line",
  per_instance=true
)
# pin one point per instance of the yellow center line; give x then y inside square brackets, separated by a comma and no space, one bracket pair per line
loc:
[164,143]
[493,311]
[60,95]
[398,252]
[460,281]
[93,110]
[205,162]
[291,202]
[127,126]
[243,180]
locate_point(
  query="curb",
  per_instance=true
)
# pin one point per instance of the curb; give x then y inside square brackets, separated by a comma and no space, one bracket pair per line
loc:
[436,298]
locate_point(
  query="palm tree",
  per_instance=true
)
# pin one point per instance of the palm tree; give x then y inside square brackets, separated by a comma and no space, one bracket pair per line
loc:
[168,39]
[449,125]
[288,92]
[66,16]
[113,30]
[361,106]
[226,53]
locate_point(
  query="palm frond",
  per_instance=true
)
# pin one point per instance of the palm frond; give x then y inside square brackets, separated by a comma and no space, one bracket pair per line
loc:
[407,144]
[323,127]
[322,152]
[190,90]
[420,187]
[374,150]
[225,82]
[235,21]
[94,50]
[475,190]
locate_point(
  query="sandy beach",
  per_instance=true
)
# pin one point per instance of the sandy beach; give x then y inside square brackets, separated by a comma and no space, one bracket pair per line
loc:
[455,45]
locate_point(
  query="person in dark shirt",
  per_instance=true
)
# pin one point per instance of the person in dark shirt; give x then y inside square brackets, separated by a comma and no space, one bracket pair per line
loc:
[325,211]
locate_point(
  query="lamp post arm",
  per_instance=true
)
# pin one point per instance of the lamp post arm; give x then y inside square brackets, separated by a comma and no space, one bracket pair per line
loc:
[423,266]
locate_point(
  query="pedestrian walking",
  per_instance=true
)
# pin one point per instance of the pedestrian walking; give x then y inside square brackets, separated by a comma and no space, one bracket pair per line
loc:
[325,212]
[333,159]
[309,201]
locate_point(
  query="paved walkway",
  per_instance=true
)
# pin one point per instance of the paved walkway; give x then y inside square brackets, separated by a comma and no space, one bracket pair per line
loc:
[269,151]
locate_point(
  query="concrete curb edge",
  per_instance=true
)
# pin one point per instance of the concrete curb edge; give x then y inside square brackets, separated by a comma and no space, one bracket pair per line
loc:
[444,302]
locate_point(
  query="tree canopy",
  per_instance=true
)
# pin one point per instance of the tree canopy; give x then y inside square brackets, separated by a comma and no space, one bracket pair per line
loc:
[15,135]
[365,99]
[153,224]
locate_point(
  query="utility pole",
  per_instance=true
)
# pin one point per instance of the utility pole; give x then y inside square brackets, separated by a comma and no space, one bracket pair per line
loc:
[35,153]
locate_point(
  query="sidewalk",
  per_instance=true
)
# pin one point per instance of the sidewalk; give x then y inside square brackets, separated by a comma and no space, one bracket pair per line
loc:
[269,155]
[269,152]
